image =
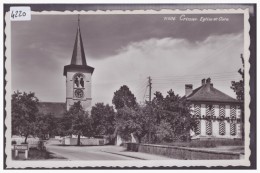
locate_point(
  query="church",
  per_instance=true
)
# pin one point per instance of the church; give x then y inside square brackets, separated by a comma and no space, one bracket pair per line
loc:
[217,114]
[78,82]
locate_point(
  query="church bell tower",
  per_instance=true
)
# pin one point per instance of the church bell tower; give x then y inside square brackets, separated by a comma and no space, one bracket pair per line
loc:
[78,76]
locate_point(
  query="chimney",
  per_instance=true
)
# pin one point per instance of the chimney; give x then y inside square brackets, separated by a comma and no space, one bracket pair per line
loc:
[208,84]
[208,80]
[203,82]
[188,89]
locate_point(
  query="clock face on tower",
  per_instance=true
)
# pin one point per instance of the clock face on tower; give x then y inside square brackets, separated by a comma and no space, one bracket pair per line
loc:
[79,93]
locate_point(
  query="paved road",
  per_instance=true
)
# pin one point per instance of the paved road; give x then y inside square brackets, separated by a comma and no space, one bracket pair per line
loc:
[84,153]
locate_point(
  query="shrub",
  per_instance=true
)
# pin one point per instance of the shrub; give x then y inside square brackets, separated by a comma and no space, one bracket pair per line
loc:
[41,145]
[14,142]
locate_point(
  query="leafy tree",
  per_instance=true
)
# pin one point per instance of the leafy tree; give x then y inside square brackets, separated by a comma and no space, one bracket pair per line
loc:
[173,118]
[124,97]
[103,119]
[138,121]
[163,131]
[46,125]
[163,119]
[147,120]
[132,121]
[76,121]
[178,114]
[24,113]
[125,122]
[238,88]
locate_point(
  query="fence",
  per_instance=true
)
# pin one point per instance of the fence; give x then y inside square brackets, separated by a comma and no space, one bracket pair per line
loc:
[181,152]
[83,141]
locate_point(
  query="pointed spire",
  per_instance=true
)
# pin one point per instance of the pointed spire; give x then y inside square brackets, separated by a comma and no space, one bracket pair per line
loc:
[78,55]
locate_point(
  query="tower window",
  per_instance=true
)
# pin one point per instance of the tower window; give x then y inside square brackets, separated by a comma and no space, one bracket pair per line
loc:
[78,80]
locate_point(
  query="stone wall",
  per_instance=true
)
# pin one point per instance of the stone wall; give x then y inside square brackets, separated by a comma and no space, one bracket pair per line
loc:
[182,153]
[83,141]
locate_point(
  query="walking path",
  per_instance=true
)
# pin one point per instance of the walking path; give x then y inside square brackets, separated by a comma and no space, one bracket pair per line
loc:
[109,152]
[138,155]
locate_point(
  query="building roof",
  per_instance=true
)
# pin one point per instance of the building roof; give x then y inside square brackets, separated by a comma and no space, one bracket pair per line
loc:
[207,92]
[78,59]
[78,55]
[56,108]
[79,68]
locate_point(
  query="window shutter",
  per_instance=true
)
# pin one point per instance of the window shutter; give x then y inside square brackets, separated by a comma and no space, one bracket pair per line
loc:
[222,128]
[208,127]
[233,129]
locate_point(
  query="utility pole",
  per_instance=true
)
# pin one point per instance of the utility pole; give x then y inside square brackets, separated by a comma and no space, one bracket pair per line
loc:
[150,99]
[150,88]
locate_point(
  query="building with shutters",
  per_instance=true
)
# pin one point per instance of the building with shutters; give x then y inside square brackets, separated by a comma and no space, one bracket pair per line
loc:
[217,115]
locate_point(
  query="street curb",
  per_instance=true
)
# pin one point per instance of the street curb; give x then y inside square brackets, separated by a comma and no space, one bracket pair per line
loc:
[123,155]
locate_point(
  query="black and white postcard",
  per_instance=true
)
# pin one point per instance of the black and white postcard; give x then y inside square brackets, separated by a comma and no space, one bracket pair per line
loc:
[127,88]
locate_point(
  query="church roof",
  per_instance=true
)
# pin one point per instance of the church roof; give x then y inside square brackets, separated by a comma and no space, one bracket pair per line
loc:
[78,59]
[207,92]
[78,55]
[56,108]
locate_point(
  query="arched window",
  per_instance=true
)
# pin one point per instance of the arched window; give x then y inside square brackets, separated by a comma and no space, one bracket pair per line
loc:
[78,81]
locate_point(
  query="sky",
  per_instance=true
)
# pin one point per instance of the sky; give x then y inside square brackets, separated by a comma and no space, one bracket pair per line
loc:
[126,50]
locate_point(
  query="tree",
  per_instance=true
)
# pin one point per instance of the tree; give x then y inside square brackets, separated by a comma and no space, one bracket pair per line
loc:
[76,121]
[130,117]
[173,118]
[24,111]
[132,122]
[103,119]
[158,106]
[238,88]
[178,114]
[163,131]
[124,97]
[46,125]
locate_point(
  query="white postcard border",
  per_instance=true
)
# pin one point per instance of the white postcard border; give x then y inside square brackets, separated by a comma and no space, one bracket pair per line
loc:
[153,163]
